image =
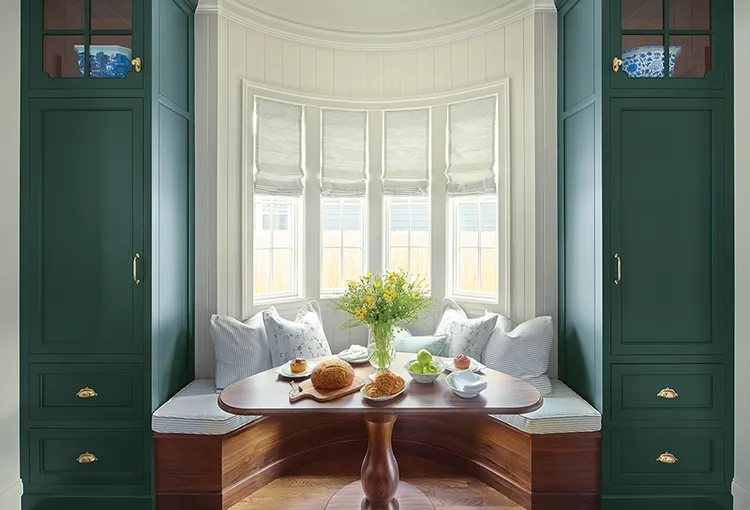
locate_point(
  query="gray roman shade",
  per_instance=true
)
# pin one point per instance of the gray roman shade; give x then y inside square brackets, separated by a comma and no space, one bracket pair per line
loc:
[471,147]
[406,152]
[343,153]
[278,148]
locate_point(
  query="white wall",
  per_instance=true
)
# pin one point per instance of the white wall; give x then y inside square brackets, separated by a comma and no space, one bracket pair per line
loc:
[741,487]
[10,483]
[228,49]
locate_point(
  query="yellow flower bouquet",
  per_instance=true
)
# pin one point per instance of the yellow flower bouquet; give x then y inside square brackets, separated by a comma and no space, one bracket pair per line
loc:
[382,302]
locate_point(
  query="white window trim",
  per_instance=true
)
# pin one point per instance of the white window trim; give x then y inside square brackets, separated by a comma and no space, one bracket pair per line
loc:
[375,210]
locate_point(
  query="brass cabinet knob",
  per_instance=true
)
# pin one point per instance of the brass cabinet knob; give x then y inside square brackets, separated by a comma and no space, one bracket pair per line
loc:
[136,64]
[87,458]
[86,393]
[616,64]
[666,458]
[668,393]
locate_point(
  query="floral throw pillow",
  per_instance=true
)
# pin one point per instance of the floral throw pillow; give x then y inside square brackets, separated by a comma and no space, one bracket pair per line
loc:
[301,338]
[470,336]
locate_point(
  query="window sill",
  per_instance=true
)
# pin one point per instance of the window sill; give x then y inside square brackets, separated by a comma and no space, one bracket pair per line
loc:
[281,300]
[480,300]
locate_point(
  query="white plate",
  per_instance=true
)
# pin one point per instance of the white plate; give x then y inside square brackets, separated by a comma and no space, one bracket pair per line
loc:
[474,365]
[287,372]
[344,355]
[387,397]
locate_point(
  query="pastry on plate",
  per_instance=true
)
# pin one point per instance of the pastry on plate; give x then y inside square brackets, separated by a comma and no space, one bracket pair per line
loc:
[372,391]
[332,374]
[298,366]
[461,362]
[389,383]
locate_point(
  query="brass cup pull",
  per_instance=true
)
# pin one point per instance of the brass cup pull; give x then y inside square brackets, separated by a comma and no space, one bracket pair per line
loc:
[86,393]
[136,64]
[87,458]
[666,458]
[619,269]
[135,269]
[616,64]
[668,393]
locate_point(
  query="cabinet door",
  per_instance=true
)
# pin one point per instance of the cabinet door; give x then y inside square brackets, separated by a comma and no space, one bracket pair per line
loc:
[695,35]
[670,271]
[84,44]
[83,197]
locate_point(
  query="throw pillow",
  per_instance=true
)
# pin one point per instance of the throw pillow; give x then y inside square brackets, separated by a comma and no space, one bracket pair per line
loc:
[450,313]
[522,351]
[241,348]
[301,338]
[405,342]
[470,336]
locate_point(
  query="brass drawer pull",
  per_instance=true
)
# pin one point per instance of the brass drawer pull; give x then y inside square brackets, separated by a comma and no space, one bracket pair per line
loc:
[86,393]
[87,458]
[666,458]
[136,64]
[668,393]
[135,269]
[619,268]
[616,64]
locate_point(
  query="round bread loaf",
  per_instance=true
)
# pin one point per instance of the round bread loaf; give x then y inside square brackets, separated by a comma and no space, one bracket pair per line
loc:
[332,374]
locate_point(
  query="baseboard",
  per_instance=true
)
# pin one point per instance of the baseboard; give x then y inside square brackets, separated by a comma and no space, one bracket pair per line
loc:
[741,494]
[670,502]
[10,497]
[53,502]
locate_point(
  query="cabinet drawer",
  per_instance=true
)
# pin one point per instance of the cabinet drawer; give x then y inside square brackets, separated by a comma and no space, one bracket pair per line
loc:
[698,454]
[698,391]
[54,457]
[116,391]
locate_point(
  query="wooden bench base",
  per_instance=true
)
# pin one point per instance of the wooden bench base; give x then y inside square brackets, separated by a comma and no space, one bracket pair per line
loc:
[539,472]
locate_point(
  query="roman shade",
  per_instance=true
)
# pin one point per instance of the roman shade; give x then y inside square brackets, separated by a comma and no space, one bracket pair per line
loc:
[344,156]
[471,147]
[406,152]
[278,148]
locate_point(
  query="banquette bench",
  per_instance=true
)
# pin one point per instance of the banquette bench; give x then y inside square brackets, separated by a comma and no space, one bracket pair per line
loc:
[207,459]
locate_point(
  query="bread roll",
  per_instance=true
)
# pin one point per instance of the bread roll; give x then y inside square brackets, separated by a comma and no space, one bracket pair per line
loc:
[332,374]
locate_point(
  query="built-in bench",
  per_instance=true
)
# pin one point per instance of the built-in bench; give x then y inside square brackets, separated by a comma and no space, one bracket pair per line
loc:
[207,459]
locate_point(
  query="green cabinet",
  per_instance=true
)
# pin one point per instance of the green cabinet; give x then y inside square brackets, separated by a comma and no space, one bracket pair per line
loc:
[646,250]
[106,243]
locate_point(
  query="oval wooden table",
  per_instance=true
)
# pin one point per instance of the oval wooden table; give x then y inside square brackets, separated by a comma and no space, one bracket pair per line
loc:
[380,488]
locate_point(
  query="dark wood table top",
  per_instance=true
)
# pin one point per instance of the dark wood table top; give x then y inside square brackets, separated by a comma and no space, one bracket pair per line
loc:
[267,393]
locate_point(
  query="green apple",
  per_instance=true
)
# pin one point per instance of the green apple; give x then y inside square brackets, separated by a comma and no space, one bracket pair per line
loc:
[430,368]
[424,357]
[416,367]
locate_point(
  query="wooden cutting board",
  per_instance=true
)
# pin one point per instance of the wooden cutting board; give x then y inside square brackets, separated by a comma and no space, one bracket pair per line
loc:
[307,390]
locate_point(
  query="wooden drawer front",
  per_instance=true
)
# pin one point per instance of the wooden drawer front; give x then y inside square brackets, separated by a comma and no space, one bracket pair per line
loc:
[700,390]
[54,454]
[54,390]
[699,457]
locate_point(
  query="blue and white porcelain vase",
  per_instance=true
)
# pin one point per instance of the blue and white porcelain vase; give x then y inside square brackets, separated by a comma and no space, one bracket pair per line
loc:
[648,61]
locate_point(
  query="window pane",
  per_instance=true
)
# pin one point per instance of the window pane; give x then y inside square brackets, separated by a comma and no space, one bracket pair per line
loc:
[275,267]
[420,262]
[331,224]
[351,218]
[352,265]
[283,270]
[109,56]
[488,225]
[643,14]
[399,219]
[692,55]
[63,14]
[468,227]
[489,281]
[331,269]
[111,14]
[63,55]
[643,56]
[261,271]
[690,14]
[468,269]
[399,259]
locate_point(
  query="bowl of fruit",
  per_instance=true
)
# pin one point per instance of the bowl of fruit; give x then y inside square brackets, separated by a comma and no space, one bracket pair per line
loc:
[424,369]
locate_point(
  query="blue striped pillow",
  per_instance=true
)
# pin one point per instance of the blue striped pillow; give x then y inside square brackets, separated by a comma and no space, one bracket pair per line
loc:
[241,348]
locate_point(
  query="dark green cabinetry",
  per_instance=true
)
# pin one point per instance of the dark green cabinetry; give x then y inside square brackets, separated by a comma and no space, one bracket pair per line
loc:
[646,253]
[106,243]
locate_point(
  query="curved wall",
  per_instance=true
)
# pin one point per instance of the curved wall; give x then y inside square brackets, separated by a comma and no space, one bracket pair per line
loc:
[521,46]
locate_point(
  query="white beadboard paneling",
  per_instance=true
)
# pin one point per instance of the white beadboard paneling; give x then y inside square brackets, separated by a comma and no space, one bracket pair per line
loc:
[374,74]
[220,151]
[325,71]
[255,68]
[392,74]
[342,73]
[409,84]
[274,61]
[308,74]
[496,51]
[358,80]
[530,188]
[425,70]
[290,65]
[478,59]
[442,67]
[459,64]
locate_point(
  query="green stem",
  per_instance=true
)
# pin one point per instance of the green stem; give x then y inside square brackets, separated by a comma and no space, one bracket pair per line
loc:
[383,334]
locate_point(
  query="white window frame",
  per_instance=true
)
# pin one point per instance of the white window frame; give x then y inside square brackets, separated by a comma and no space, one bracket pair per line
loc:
[362,201]
[387,204]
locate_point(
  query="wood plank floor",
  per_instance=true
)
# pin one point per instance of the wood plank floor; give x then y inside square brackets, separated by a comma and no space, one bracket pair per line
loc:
[310,492]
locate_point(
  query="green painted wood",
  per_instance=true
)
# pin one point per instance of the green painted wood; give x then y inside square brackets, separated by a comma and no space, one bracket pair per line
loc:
[669,501]
[667,170]
[34,502]
[700,389]
[700,465]
[54,388]
[86,184]
[579,47]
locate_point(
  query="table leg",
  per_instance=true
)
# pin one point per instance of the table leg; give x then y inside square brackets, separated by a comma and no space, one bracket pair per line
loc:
[379,469]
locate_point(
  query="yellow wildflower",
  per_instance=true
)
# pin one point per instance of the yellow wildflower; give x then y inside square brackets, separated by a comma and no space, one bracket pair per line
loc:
[351,284]
[378,285]
[392,278]
[389,295]
[360,312]
[369,301]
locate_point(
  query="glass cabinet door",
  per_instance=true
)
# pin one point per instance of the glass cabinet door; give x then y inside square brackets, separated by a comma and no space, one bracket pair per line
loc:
[666,43]
[86,43]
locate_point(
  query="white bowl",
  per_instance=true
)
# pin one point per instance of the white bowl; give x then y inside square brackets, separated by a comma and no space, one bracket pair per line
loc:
[425,378]
[463,394]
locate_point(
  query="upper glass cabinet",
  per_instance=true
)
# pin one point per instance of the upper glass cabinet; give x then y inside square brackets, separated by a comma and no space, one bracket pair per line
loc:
[86,43]
[668,43]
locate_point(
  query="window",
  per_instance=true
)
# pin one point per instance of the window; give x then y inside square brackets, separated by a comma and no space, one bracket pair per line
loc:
[275,273]
[343,243]
[475,259]
[408,235]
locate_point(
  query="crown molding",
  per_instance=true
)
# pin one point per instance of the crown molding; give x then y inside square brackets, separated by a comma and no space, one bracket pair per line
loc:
[252,17]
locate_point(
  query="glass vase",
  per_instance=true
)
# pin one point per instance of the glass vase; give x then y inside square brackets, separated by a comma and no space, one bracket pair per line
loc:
[381,347]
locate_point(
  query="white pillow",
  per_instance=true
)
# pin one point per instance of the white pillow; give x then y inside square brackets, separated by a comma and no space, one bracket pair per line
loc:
[465,336]
[301,338]
[522,351]
[241,348]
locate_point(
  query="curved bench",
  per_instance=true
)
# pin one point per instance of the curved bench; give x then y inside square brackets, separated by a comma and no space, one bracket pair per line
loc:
[207,459]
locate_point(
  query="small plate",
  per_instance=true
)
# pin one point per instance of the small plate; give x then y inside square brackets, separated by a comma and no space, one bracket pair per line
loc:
[384,398]
[285,371]
[474,365]
[463,394]
[344,355]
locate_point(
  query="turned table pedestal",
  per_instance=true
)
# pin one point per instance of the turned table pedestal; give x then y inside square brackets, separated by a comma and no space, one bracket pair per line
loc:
[380,487]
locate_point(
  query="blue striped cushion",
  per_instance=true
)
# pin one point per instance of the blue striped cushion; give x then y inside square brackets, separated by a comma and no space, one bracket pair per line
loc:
[241,348]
